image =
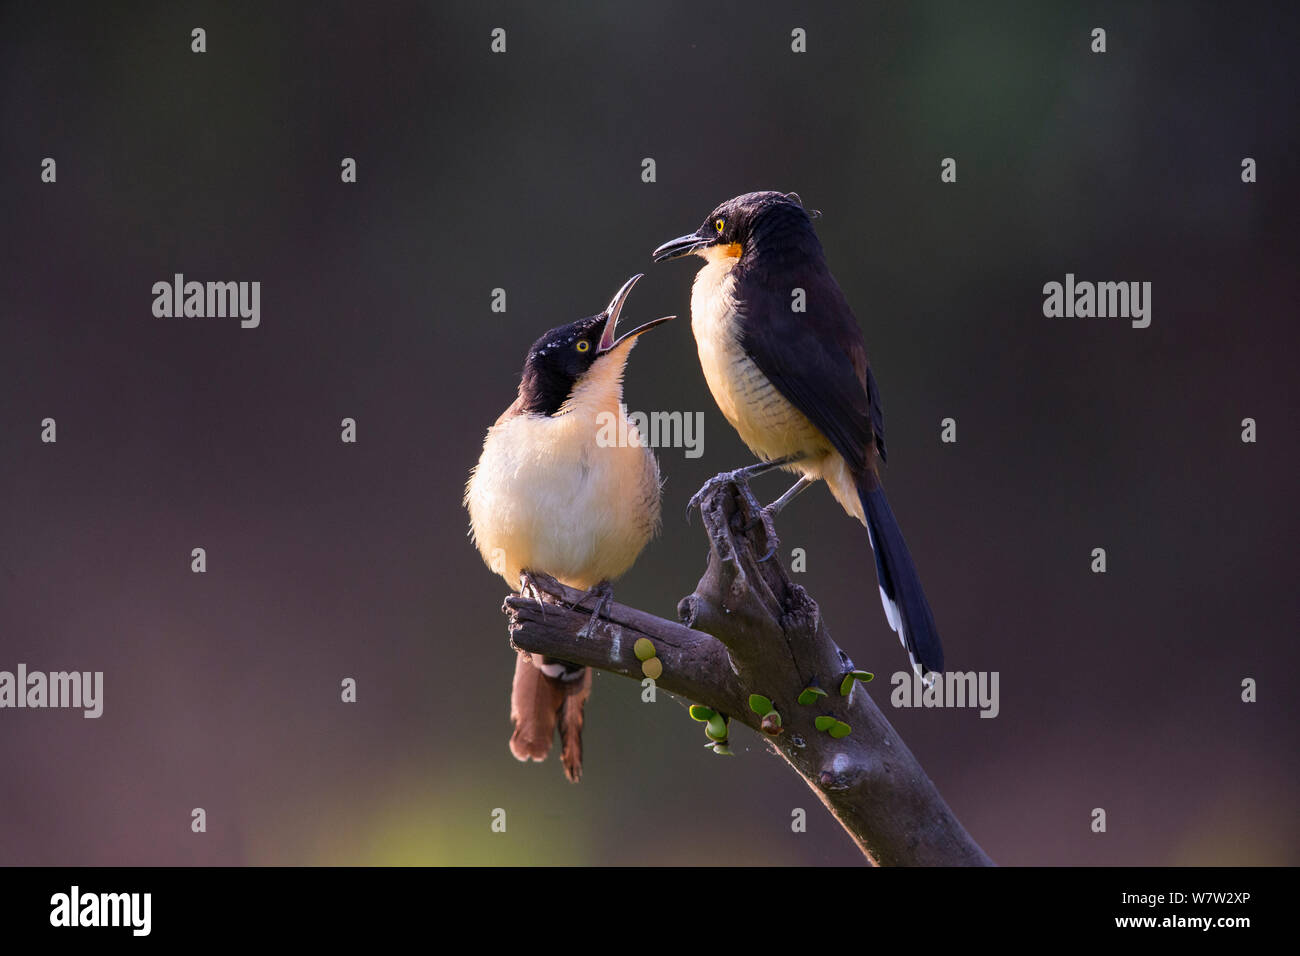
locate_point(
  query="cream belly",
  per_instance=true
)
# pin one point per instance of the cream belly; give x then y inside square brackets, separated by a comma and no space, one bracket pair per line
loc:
[547,497]
[765,420]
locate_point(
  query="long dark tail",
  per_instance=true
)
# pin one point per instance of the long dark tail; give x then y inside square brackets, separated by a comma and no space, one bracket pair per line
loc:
[539,702]
[900,588]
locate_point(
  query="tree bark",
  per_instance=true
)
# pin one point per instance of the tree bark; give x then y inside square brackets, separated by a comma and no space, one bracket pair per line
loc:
[748,630]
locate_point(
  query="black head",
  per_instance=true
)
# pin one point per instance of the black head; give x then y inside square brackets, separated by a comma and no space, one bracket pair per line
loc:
[754,221]
[560,358]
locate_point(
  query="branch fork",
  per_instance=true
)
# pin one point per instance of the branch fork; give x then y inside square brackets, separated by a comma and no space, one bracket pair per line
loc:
[747,629]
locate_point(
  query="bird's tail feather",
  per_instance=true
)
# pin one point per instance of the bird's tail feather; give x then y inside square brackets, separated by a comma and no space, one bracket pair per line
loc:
[576,692]
[900,588]
[539,702]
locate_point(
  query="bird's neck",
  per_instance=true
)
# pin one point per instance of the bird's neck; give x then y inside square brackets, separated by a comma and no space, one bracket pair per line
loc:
[541,392]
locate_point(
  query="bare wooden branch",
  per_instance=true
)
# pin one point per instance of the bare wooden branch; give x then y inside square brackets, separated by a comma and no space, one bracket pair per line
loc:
[748,630]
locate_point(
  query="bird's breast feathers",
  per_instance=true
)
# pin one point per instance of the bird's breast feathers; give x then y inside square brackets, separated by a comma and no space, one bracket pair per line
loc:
[549,495]
[765,420]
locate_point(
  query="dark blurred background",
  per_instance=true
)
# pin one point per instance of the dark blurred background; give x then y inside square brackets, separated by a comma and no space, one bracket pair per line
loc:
[522,171]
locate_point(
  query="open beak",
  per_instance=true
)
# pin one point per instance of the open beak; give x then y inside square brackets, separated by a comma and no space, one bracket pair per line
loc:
[611,313]
[681,246]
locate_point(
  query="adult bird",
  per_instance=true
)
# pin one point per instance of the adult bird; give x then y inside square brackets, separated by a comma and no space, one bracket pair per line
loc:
[784,358]
[552,494]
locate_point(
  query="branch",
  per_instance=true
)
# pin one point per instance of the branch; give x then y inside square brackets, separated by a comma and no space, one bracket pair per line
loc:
[749,630]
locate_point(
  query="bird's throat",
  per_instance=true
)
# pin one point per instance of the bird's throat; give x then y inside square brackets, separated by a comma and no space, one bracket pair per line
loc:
[601,388]
[727,252]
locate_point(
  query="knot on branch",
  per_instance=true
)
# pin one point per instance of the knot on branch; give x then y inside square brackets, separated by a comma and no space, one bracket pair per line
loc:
[840,773]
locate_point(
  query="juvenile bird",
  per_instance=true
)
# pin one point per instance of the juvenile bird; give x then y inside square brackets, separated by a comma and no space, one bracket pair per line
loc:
[784,357]
[552,494]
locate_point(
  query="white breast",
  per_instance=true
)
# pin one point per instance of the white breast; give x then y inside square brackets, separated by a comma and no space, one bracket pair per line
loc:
[549,496]
[765,420]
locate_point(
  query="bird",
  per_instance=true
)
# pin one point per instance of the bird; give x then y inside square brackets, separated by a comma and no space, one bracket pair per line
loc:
[553,493]
[785,360]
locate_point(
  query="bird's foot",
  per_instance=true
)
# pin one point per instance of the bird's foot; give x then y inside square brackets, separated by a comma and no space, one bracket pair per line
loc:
[528,588]
[740,478]
[769,528]
[604,595]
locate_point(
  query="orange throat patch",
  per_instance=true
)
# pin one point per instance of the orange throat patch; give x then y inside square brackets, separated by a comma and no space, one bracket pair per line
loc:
[730,250]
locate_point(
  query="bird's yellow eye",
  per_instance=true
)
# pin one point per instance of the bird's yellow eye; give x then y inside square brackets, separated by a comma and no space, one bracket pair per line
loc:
[720,225]
[583,345]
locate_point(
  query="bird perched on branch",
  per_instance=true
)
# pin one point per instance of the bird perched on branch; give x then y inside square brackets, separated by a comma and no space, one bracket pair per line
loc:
[551,495]
[784,358]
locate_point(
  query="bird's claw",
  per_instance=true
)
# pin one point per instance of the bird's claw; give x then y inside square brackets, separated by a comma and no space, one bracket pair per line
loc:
[739,478]
[697,499]
[769,531]
[604,595]
[528,588]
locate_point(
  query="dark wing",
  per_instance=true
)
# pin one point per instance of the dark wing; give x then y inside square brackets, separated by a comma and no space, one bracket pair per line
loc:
[816,359]
[877,414]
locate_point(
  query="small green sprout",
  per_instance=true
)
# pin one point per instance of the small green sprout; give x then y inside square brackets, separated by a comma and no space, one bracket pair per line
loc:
[846,685]
[810,695]
[716,728]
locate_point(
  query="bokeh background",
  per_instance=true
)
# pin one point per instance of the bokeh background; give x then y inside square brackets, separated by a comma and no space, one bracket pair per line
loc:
[522,171]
